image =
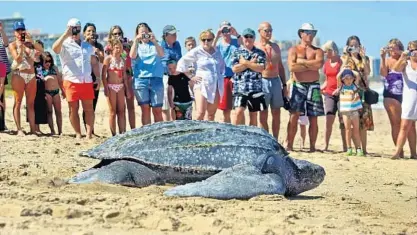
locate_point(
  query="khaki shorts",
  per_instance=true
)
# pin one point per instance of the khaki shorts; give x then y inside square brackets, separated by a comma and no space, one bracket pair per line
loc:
[350,114]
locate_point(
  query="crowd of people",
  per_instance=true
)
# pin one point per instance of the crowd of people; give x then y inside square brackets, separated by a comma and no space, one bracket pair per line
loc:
[228,71]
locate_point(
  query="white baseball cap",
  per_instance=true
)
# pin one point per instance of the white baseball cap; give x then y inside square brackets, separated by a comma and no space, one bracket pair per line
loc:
[74,22]
[306,26]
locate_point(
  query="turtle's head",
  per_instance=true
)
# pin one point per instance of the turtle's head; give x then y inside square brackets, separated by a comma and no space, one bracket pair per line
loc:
[299,175]
[309,176]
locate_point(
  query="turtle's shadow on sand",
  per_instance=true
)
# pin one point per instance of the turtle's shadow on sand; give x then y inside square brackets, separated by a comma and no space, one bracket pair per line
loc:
[304,197]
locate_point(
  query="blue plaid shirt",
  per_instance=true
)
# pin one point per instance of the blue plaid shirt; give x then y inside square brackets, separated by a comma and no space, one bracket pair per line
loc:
[248,80]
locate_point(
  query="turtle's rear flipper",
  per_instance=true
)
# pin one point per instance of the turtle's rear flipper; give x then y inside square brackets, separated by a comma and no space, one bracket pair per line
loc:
[118,172]
[240,182]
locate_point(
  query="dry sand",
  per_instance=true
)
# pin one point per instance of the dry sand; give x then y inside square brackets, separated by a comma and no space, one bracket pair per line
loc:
[372,195]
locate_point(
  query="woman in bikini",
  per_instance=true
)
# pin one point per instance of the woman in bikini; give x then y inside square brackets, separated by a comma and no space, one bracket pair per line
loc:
[114,82]
[53,83]
[23,82]
[117,33]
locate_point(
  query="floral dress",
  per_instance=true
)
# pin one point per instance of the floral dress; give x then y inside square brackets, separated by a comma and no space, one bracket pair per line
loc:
[366,117]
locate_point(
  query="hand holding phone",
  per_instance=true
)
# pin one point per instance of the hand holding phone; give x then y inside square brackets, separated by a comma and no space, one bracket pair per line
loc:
[23,37]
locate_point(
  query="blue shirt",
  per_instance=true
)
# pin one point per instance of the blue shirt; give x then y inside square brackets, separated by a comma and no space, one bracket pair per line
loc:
[170,53]
[226,50]
[147,63]
[248,80]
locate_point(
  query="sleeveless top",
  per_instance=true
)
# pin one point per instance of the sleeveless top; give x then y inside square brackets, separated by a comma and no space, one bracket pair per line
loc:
[393,83]
[331,75]
[410,78]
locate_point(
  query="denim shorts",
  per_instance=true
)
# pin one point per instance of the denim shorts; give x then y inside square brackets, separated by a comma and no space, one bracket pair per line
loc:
[273,92]
[149,91]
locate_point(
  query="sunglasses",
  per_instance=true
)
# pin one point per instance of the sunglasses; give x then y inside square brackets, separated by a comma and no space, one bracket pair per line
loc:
[48,61]
[117,34]
[207,39]
[311,32]
[268,30]
[412,53]
[248,36]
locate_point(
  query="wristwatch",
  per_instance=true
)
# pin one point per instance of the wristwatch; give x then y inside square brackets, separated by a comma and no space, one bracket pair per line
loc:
[238,36]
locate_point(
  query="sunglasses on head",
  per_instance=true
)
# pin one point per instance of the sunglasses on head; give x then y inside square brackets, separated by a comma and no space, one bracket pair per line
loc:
[248,36]
[207,39]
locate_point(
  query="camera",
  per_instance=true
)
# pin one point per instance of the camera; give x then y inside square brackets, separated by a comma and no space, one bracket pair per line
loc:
[75,30]
[226,30]
[22,37]
[95,36]
[124,40]
[352,49]
[146,36]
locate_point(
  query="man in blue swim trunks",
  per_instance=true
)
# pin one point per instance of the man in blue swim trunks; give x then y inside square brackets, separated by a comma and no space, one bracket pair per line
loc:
[304,61]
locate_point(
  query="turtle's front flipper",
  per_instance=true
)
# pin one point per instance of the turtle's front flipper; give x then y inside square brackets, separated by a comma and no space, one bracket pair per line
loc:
[240,182]
[121,172]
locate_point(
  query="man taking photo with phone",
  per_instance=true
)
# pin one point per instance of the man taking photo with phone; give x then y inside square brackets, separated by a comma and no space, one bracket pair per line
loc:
[227,45]
[78,61]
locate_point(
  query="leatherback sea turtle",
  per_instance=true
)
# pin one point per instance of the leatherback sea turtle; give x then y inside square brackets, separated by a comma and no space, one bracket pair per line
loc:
[212,159]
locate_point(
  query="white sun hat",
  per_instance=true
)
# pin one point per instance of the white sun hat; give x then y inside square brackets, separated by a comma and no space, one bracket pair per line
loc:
[306,26]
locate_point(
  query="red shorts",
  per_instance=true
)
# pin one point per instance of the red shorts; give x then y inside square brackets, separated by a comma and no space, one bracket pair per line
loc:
[3,70]
[78,91]
[226,103]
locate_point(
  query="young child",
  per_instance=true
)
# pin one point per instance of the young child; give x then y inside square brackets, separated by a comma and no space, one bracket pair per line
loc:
[190,44]
[179,93]
[115,83]
[349,106]
[303,119]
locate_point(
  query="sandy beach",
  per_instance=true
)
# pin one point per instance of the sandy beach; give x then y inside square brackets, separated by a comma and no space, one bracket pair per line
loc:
[360,195]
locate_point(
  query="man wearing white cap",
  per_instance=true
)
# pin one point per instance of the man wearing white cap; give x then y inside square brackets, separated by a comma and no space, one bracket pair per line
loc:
[304,61]
[227,45]
[78,61]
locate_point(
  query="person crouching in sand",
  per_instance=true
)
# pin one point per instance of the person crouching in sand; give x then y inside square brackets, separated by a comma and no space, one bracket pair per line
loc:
[179,96]
[115,82]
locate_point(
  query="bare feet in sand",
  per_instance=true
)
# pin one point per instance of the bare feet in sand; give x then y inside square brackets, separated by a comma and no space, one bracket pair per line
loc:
[395,157]
[20,133]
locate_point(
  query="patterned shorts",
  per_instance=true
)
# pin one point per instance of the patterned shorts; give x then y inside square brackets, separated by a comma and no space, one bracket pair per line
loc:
[306,99]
